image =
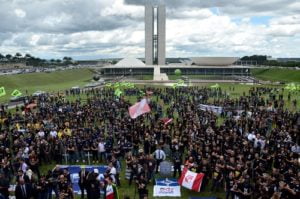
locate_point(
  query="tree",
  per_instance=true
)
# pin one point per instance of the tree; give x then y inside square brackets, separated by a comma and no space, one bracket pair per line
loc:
[177,72]
[18,55]
[67,60]
[259,59]
[27,56]
[1,56]
[8,56]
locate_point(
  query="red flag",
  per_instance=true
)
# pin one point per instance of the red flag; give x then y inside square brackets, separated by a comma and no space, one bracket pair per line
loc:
[166,120]
[139,108]
[191,180]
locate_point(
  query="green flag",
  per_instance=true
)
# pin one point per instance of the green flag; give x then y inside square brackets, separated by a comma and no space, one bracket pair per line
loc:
[180,82]
[291,87]
[2,91]
[16,93]
[130,85]
[117,85]
[215,86]
[118,92]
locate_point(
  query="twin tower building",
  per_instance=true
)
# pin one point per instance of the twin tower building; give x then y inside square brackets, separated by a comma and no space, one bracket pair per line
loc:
[155,34]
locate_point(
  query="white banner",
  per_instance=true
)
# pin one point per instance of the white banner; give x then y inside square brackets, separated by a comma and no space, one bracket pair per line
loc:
[166,191]
[215,109]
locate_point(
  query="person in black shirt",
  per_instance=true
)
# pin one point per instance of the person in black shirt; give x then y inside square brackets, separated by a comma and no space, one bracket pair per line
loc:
[246,188]
[82,181]
[66,192]
[229,182]
[142,187]
[286,191]
[42,188]
[217,179]
[62,183]
[52,178]
[4,185]
[177,160]
[93,186]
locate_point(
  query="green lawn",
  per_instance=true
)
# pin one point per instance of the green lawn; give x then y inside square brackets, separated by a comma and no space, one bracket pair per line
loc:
[54,81]
[282,75]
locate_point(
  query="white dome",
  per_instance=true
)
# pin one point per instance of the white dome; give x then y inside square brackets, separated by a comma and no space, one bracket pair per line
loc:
[130,62]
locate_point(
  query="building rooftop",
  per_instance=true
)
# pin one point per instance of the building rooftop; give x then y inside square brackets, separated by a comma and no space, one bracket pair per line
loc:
[130,62]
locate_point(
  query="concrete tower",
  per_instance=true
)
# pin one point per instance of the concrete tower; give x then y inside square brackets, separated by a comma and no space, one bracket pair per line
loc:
[155,38]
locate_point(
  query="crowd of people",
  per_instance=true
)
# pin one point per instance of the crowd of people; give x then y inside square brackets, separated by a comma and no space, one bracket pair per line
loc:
[249,150]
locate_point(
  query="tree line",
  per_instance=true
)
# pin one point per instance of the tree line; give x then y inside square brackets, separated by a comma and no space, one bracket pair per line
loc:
[30,60]
[262,60]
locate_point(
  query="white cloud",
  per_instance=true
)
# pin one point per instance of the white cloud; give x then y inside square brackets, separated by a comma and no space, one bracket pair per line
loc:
[110,28]
[20,13]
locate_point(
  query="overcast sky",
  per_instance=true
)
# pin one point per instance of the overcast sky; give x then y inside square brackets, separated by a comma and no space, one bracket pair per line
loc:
[90,29]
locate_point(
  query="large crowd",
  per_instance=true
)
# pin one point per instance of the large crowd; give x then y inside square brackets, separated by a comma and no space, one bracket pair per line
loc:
[250,150]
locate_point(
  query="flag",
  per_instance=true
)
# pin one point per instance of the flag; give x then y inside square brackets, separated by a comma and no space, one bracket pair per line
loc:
[2,91]
[139,108]
[215,86]
[16,93]
[111,192]
[179,83]
[166,120]
[191,180]
[118,92]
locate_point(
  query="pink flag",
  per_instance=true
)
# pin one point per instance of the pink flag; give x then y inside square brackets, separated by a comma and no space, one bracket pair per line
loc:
[139,108]
[191,180]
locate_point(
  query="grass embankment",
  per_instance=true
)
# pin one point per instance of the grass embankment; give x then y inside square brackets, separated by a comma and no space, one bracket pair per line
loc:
[51,82]
[274,75]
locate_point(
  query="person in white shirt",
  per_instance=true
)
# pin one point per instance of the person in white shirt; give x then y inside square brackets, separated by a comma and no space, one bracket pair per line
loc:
[112,172]
[159,155]
[101,150]
[251,136]
[23,166]
[41,134]
[53,133]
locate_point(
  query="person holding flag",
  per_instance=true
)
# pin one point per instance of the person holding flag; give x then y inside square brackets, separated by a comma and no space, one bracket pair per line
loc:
[110,189]
[191,180]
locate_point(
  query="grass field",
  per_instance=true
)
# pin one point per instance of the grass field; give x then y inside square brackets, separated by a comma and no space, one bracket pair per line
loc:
[280,75]
[54,81]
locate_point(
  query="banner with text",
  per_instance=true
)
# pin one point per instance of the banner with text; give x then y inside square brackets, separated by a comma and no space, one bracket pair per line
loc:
[166,188]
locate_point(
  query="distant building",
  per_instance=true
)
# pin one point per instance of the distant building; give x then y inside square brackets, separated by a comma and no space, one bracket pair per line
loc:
[214,66]
[13,65]
[155,42]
